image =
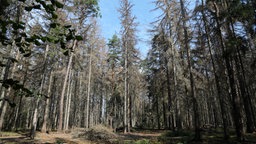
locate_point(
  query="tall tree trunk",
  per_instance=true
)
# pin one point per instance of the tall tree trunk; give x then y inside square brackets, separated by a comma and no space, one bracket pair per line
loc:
[192,85]
[87,124]
[54,103]
[3,91]
[157,112]
[35,116]
[8,91]
[61,103]
[236,104]
[19,109]
[243,86]
[3,104]
[164,110]
[175,86]
[125,88]
[68,102]
[46,112]
[37,99]
[129,109]
[171,123]
[217,82]
[34,120]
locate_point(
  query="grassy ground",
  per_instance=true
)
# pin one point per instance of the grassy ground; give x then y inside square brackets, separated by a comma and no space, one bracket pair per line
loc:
[209,136]
[103,135]
[41,138]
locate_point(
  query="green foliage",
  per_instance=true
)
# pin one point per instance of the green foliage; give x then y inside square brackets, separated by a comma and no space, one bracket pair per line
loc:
[92,7]
[57,4]
[60,141]
[19,88]
[242,12]
[144,141]
[79,38]
[4,4]
[15,85]
[114,54]
[24,40]
[12,104]
[54,25]
[177,137]
[177,133]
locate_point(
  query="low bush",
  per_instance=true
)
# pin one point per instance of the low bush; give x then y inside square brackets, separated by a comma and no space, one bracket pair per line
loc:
[179,133]
[98,133]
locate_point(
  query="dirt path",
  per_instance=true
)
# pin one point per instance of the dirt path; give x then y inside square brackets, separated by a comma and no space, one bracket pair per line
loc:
[42,138]
[67,138]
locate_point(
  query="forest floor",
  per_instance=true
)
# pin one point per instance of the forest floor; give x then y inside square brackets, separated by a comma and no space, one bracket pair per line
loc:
[103,135]
[96,135]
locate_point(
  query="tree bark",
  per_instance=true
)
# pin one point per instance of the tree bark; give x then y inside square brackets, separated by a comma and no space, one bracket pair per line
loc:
[192,85]
[217,82]
[37,98]
[87,124]
[236,103]
[68,102]
[46,112]
[125,88]
[61,103]
[8,91]
[243,86]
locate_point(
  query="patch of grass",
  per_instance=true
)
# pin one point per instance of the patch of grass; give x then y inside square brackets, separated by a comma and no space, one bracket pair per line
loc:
[127,141]
[144,141]
[214,136]
[9,134]
[180,133]
[177,137]
[60,141]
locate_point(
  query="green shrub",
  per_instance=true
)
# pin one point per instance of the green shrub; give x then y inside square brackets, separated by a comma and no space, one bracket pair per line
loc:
[180,133]
[142,142]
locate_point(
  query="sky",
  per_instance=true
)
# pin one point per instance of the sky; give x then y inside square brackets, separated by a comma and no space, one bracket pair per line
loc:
[142,10]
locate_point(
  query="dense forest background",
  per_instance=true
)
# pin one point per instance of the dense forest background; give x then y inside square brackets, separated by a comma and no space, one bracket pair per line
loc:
[59,73]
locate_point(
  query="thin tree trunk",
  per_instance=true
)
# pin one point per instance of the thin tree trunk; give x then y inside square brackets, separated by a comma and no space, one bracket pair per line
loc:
[129,108]
[170,126]
[19,109]
[125,89]
[164,110]
[87,124]
[243,86]
[69,97]
[4,103]
[46,112]
[4,76]
[61,103]
[157,112]
[236,103]
[192,85]
[217,82]
[34,121]
[35,116]
[67,102]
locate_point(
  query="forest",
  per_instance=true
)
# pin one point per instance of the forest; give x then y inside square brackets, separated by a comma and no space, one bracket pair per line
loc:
[59,75]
